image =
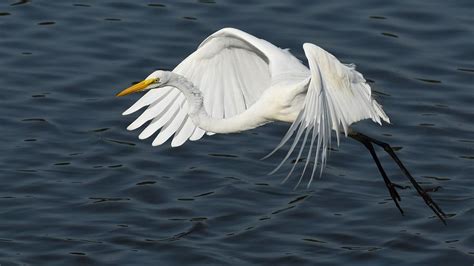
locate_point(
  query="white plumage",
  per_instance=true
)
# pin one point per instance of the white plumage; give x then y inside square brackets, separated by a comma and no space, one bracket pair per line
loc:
[235,82]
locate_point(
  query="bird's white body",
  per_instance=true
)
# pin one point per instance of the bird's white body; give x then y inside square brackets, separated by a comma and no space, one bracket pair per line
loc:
[235,82]
[284,100]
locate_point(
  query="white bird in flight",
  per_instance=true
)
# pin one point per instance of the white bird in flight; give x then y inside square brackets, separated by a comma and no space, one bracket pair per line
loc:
[235,82]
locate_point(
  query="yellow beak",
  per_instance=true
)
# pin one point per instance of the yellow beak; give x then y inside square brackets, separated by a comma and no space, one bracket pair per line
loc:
[137,87]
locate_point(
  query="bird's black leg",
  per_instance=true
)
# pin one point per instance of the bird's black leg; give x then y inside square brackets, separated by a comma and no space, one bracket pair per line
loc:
[426,197]
[390,186]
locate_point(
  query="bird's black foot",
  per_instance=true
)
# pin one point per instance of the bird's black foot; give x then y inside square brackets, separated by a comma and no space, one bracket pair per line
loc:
[368,141]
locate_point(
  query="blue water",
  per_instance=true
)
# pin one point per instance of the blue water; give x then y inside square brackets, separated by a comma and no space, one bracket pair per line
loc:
[76,188]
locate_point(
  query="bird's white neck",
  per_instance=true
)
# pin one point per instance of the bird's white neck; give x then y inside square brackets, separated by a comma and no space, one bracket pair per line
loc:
[196,111]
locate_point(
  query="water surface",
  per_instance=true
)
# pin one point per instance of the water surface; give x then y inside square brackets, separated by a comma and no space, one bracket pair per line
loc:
[77,188]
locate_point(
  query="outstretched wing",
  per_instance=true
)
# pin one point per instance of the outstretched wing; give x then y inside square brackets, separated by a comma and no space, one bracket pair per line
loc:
[231,68]
[337,96]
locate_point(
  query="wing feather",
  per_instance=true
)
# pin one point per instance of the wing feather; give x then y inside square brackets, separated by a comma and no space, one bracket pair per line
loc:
[159,121]
[170,128]
[147,99]
[230,68]
[184,133]
[155,109]
[337,96]
[197,134]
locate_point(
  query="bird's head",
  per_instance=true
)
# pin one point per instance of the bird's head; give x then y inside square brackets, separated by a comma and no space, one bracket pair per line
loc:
[155,80]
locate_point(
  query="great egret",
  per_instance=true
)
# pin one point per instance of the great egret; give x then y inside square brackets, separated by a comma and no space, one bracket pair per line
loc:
[235,82]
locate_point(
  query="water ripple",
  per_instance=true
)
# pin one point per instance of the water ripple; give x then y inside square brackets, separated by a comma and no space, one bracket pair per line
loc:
[78,188]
